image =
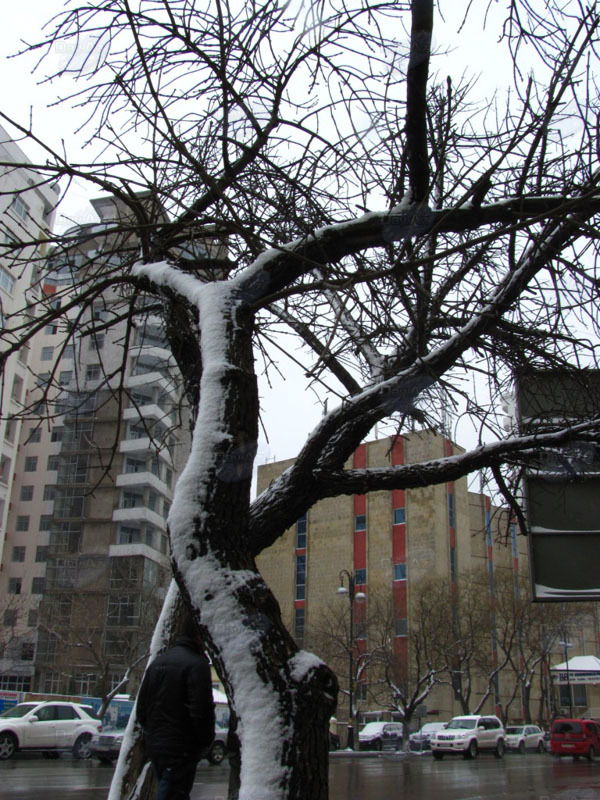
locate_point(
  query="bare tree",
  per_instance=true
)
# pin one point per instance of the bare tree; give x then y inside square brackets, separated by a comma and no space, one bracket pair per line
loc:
[274,126]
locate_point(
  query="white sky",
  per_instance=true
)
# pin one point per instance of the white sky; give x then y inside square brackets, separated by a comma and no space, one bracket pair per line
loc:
[289,411]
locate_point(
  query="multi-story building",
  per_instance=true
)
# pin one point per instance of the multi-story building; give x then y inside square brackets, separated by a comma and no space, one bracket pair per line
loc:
[393,544]
[27,209]
[87,538]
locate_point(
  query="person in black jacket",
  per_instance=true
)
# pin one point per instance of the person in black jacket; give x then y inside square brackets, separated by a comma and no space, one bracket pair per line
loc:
[176,711]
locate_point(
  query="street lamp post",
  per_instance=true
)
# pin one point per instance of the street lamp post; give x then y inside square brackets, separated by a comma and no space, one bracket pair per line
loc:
[565,645]
[342,590]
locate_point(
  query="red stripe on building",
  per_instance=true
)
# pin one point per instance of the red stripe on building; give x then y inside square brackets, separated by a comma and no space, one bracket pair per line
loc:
[360,550]
[398,544]
[399,593]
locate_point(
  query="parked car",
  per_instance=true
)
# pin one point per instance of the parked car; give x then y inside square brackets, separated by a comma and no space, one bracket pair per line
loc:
[421,740]
[468,735]
[49,727]
[371,737]
[575,737]
[105,746]
[525,737]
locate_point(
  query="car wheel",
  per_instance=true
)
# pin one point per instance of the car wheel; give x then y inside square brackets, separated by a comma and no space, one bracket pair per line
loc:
[81,748]
[471,751]
[216,754]
[522,748]
[540,747]
[591,754]
[500,748]
[8,745]
[437,756]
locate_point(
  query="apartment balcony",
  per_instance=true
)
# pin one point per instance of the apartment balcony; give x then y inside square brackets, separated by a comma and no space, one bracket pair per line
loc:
[141,445]
[150,411]
[155,378]
[139,514]
[144,479]
[139,549]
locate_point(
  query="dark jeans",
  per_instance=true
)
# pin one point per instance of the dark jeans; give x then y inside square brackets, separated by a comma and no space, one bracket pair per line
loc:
[175,776]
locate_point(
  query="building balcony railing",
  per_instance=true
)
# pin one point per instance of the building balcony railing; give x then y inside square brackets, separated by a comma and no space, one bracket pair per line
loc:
[144,479]
[139,514]
[139,549]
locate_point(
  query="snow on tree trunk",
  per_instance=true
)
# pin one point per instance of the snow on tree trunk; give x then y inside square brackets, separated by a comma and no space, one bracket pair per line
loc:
[282,697]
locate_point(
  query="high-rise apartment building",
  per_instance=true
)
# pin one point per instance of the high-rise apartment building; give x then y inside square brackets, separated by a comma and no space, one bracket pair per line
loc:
[87,555]
[27,209]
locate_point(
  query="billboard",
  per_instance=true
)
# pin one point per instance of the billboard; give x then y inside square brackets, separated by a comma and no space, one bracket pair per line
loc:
[562,486]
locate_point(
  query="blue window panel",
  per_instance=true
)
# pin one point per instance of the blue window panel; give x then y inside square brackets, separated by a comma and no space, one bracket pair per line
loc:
[399,516]
[451,511]
[360,576]
[299,623]
[453,564]
[401,627]
[301,533]
[300,591]
[360,522]
[300,569]
[399,572]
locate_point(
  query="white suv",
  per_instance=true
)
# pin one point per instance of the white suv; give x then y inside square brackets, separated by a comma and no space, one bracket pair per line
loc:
[48,727]
[469,734]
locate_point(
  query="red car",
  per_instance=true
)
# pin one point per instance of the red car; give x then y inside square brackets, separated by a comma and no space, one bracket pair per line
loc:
[575,737]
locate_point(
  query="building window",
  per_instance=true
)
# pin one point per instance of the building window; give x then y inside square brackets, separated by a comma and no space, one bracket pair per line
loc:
[134,465]
[51,329]
[26,493]
[20,207]
[45,522]
[360,576]
[299,623]
[57,433]
[35,435]
[10,618]
[360,629]
[52,464]
[451,510]
[68,351]
[18,553]
[399,516]
[32,618]
[401,627]
[361,690]
[96,342]
[41,553]
[301,532]
[399,572]
[132,500]
[7,282]
[30,464]
[14,585]
[92,372]
[360,522]
[47,354]
[65,377]
[49,492]
[17,389]
[38,585]
[129,535]
[85,683]
[300,577]
[5,469]
[9,430]
[22,523]
[27,651]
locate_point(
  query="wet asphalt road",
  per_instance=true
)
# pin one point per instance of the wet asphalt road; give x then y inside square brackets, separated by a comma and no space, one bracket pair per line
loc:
[531,777]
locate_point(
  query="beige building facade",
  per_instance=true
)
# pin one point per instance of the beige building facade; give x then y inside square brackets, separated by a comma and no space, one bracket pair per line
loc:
[394,543]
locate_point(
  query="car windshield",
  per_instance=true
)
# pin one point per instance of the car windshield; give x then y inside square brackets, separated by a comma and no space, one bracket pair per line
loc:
[18,711]
[462,723]
[514,729]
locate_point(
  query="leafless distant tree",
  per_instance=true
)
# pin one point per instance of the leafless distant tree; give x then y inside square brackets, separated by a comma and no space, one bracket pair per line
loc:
[421,241]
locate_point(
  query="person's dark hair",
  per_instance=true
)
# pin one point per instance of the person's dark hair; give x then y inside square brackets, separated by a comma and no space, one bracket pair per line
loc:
[188,627]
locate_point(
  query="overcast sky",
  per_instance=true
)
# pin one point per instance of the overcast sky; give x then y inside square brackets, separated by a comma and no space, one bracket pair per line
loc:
[290,412]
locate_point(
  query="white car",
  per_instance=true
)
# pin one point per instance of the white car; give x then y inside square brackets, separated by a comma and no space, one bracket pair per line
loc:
[372,735]
[525,737]
[48,727]
[468,735]
[421,740]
